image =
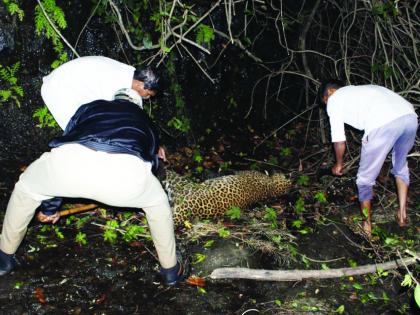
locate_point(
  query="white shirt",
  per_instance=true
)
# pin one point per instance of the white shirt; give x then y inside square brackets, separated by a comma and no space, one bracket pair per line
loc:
[81,81]
[364,107]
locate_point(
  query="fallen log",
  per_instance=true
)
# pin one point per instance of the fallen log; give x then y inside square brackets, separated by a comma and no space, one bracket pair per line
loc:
[298,275]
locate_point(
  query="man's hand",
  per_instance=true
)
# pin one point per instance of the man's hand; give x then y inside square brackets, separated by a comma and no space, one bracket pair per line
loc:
[337,169]
[162,154]
[48,218]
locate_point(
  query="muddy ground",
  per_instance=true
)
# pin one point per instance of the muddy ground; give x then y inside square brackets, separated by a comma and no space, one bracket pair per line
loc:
[76,267]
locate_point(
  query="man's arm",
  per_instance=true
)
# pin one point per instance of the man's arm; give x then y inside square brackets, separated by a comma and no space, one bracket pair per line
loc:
[340,149]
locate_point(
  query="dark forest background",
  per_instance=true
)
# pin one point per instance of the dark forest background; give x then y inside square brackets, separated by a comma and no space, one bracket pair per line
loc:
[226,65]
[239,91]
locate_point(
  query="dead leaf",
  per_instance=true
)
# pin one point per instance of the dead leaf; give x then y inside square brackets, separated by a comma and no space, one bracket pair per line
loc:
[198,281]
[39,294]
[100,299]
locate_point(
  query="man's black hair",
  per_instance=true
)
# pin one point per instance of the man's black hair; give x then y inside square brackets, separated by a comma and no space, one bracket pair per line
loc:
[148,77]
[322,91]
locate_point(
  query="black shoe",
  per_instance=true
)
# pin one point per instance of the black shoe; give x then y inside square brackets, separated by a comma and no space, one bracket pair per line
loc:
[172,276]
[7,263]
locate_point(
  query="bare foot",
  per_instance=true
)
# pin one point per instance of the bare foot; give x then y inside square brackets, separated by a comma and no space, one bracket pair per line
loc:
[367,228]
[402,221]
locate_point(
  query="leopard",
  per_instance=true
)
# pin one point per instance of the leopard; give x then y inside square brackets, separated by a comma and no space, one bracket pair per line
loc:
[213,197]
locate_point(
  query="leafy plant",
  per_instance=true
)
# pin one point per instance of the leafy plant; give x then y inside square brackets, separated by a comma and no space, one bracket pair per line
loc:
[365,212]
[386,9]
[297,223]
[82,221]
[340,309]
[273,160]
[110,234]
[43,26]
[271,216]
[133,231]
[205,34]
[180,123]
[320,197]
[234,213]
[44,117]
[224,166]
[303,180]
[300,206]
[11,89]
[198,157]
[223,232]
[13,8]
[199,258]
[409,281]
[80,238]
[285,152]
[58,232]
[208,244]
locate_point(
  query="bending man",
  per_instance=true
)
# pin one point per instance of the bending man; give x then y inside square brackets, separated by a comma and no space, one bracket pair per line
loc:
[87,79]
[113,146]
[389,123]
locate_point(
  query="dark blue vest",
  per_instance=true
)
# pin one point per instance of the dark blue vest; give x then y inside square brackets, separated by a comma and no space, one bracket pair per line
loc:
[117,126]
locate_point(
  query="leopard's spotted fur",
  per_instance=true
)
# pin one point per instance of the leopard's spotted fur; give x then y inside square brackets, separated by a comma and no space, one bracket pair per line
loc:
[214,197]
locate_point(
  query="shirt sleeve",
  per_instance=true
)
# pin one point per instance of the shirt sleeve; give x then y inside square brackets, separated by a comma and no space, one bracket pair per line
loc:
[336,124]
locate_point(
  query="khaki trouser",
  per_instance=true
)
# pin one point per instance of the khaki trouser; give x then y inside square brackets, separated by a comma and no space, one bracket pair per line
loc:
[75,171]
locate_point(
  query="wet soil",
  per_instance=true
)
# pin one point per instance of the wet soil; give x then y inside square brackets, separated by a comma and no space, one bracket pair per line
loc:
[58,275]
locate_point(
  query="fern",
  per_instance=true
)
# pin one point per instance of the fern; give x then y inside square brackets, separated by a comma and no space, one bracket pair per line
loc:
[43,26]
[11,90]
[5,95]
[14,8]
[45,119]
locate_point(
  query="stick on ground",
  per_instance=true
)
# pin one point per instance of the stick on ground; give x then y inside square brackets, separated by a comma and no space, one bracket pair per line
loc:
[297,275]
[77,209]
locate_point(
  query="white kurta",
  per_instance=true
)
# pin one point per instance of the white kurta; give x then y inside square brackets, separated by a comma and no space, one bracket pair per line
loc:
[81,81]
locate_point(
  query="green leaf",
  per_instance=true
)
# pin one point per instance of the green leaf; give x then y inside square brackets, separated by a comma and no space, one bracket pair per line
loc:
[408,281]
[285,152]
[297,223]
[320,197]
[340,309]
[391,241]
[18,285]
[417,295]
[110,236]
[199,258]
[208,244]
[223,232]
[81,238]
[112,224]
[205,34]
[300,206]
[147,43]
[303,180]
[234,213]
[324,267]
[365,212]
[270,214]
[58,232]
[357,286]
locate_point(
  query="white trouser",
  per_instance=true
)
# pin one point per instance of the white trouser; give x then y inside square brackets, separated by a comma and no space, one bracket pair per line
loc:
[75,171]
